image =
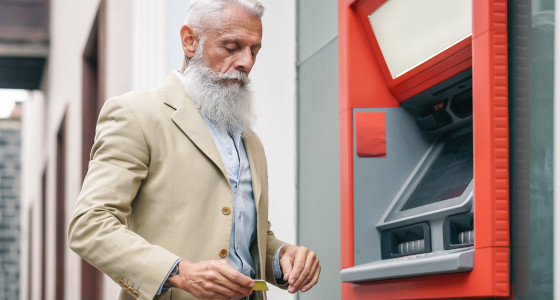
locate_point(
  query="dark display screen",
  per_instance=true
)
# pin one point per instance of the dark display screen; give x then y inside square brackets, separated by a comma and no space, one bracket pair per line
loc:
[448,176]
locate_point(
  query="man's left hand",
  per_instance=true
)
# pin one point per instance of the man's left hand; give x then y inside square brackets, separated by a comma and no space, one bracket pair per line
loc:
[300,267]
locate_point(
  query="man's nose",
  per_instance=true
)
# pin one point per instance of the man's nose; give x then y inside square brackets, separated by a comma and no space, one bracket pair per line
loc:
[244,61]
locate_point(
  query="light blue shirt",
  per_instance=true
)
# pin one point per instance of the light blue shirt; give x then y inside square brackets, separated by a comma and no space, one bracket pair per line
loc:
[244,225]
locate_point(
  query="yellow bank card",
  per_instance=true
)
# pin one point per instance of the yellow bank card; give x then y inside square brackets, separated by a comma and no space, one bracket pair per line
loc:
[260,285]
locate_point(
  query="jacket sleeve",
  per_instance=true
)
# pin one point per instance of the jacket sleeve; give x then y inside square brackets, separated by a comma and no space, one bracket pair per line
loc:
[98,232]
[272,246]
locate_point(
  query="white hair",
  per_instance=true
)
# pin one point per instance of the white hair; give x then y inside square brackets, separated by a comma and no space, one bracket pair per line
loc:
[204,14]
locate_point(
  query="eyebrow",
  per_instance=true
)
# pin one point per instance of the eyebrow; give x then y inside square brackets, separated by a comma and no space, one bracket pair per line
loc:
[228,40]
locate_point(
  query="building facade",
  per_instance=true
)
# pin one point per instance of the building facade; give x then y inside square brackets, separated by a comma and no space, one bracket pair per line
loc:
[10,162]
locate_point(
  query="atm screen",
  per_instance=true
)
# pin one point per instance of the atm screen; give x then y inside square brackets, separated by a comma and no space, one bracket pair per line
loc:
[409,33]
[448,176]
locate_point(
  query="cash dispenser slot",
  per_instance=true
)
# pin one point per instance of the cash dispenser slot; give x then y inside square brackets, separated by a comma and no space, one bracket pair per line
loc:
[408,240]
[458,231]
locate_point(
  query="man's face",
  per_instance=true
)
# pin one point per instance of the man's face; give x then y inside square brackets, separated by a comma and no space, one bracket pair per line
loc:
[234,46]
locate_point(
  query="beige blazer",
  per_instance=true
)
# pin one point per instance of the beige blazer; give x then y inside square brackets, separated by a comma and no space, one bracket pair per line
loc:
[156,190]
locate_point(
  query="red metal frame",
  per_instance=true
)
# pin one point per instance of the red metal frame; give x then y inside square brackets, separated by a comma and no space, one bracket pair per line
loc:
[364,83]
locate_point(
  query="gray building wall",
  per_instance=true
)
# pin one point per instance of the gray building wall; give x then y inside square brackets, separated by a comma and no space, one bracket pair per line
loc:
[10,142]
[318,141]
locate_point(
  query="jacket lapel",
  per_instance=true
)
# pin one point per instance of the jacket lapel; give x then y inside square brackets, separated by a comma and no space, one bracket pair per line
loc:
[251,146]
[188,119]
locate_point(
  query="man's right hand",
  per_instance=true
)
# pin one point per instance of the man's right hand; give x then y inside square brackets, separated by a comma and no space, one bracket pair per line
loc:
[214,279]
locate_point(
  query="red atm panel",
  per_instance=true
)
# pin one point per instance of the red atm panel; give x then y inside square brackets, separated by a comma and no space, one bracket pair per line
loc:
[366,86]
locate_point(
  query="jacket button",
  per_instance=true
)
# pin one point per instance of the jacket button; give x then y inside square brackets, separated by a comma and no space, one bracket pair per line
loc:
[226,210]
[135,294]
[130,290]
[223,253]
[125,285]
[121,282]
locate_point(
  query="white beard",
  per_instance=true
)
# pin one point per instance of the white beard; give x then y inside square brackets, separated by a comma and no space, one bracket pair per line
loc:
[227,105]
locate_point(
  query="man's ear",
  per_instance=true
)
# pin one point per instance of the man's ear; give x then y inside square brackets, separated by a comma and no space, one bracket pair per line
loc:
[189,40]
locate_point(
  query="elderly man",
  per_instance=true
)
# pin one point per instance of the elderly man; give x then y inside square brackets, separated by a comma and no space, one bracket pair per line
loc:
[175,202]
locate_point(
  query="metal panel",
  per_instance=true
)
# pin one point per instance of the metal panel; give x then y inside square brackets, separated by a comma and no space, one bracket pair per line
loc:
[318,171]
[317,26]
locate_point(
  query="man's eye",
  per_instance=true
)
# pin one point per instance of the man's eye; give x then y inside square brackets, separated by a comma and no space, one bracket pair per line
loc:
[231,48]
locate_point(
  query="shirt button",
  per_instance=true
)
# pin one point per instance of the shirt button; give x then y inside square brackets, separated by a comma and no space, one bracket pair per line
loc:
[226,210]
[223,253]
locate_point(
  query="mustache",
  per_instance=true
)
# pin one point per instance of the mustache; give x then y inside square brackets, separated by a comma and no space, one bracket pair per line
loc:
[197,62]
[239,76]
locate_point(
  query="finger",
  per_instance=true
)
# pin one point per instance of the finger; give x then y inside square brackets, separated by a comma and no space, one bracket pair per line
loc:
[316,271]
[286,265]
[286,276]
[208,288]
[228,277]
[233,276]
[306,273]
[233,285]
[306,270]
[298,265]
[223,286]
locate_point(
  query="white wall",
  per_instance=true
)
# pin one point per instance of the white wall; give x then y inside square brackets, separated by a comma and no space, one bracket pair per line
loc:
[32,163]
[119,45]
[148,41]
[175,17]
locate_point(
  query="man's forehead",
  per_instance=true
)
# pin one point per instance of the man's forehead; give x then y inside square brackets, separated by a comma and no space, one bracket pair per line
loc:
[234,33]
[234,28]
[236,17]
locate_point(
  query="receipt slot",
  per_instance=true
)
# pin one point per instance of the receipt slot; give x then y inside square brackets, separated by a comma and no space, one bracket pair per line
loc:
[424,149]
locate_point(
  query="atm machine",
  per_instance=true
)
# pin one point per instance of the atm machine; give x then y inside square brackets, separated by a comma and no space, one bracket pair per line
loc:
[424,149]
